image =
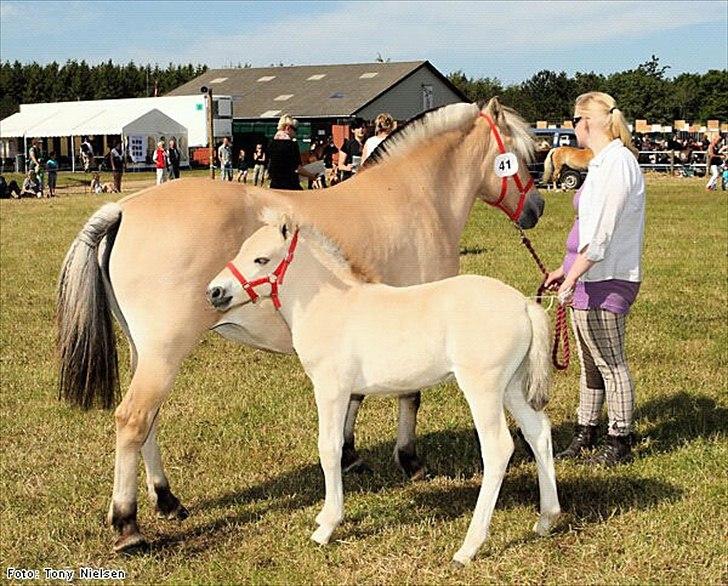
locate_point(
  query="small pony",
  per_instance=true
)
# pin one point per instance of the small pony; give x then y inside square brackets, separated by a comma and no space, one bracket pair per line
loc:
[98,187]
[565,156]
[355,336]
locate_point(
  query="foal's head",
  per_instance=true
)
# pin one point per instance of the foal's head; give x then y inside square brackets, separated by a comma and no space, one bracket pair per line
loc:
[507,181]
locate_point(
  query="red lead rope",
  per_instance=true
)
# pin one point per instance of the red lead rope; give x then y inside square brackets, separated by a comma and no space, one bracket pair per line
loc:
[561,328]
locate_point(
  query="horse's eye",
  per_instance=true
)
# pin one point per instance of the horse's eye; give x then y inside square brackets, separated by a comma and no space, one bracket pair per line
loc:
[261,260]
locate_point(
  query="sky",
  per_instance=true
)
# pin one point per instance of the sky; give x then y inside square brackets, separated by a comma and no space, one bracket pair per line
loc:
[509,41]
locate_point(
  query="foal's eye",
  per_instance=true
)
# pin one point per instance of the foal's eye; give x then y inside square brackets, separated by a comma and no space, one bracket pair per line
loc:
[261,260]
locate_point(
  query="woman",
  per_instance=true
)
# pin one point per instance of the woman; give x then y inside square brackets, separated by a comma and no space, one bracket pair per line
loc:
[259,160]
[243,165]
[384,124]
[601,275]
[714,162]
[160,161]
[285,158]
[31,186]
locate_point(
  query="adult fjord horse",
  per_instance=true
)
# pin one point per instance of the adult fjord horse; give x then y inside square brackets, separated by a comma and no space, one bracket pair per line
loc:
[149,258]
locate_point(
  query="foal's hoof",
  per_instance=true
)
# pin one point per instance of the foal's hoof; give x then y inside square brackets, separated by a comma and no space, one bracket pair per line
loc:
[411,465]
[131,544]
[357,466]
[168,505]
[178,514]
[545,523]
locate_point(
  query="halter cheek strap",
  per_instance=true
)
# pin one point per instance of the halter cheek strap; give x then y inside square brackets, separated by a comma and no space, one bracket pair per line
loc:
[523,190]
[275,279]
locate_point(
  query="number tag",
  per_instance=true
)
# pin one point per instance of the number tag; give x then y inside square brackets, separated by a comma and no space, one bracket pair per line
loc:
[506,165]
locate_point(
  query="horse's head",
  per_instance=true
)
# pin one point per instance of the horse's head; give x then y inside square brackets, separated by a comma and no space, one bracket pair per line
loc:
[258,268]
[507,182]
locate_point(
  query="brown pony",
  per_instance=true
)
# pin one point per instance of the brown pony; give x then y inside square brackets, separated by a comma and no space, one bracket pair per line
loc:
[149,258]
[565,156]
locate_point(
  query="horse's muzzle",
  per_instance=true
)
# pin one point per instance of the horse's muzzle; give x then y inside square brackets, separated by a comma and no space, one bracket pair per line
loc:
[532,210]
[218,298]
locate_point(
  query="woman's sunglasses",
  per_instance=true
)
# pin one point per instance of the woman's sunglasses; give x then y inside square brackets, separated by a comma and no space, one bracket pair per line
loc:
[575,120]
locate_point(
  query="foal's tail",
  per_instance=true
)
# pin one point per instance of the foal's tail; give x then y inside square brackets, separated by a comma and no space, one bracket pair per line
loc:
[539,362]
[548,167]
[86,344]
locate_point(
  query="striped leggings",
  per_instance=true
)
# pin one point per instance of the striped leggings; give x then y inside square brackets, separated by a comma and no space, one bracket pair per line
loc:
[604,370]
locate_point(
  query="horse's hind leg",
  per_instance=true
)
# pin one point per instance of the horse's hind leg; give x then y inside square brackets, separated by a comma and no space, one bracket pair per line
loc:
[166,504]
[405,453]
[537,431]
[484,394]
[135,417]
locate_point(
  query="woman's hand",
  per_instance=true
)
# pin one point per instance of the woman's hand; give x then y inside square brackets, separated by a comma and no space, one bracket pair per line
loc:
[553,278]
[566,291]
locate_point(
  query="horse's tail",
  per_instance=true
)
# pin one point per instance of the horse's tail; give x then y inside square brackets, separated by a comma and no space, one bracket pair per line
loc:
[539,363]
[85,341]
[548,167]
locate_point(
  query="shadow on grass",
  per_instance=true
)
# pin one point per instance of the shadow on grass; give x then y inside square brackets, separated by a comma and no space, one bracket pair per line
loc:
[591,497]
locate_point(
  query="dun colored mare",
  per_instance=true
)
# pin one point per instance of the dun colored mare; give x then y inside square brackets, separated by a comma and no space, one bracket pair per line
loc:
[148,259]
[565,156]
[351,335]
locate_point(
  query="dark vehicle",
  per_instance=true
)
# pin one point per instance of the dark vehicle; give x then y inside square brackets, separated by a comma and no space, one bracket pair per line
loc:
[547,139]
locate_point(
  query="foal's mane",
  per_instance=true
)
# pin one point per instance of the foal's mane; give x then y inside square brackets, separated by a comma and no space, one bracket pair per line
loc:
[462,117]
[332,249]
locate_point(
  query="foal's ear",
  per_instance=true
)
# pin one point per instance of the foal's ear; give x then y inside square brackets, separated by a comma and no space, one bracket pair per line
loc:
[495,109]
[287,227]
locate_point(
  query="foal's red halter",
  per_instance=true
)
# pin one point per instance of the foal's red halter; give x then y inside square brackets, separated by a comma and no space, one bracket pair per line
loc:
[523,190]
[274,279]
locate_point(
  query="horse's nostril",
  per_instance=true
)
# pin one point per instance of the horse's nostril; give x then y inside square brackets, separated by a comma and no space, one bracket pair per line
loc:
[215,293]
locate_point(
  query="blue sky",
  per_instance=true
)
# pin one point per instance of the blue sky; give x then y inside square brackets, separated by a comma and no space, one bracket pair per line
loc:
[507,40]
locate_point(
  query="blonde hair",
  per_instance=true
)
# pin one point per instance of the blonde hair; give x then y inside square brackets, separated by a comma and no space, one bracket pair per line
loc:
[604,104]
[287,120]
[384,123]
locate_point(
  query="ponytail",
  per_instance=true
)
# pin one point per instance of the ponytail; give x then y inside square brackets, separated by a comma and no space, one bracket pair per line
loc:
[618,129]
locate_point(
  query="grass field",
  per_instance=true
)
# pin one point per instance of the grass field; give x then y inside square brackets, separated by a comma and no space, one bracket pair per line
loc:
[239,437]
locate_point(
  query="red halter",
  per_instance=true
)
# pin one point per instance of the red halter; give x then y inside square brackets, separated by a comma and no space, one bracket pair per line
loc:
[274,279]
[504,180]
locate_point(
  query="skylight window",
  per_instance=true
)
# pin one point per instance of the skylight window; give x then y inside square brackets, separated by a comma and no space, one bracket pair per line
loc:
[316,77]
[368,75]
[218,80]
[270,114]
[266,78]
[283,98]
[337,95]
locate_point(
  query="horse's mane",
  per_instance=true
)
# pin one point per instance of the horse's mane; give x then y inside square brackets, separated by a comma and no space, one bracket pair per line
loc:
[459,116]
[423,126]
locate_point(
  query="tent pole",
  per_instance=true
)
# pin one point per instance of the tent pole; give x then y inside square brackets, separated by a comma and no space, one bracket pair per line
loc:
[73,155]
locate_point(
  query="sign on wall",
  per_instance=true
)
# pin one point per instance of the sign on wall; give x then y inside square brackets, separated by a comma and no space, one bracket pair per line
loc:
[137,149]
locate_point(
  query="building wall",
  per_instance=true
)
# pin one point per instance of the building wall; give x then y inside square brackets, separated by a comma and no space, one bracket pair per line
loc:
[405,100]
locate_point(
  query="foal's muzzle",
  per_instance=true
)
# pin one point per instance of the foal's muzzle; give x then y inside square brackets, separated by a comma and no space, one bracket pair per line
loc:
[218,298]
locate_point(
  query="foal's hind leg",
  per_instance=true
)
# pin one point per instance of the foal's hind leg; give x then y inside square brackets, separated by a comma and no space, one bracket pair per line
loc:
[405,453]
[537,431]
[166,504]
[485,397]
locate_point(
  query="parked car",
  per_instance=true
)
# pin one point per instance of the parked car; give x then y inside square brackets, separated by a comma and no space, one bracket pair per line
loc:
[546,139]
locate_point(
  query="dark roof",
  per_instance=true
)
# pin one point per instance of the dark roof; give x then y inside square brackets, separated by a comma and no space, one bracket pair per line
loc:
[341,92]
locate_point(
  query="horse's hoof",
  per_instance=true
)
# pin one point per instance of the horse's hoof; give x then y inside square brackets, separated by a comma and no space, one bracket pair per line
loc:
[411,465]
[168,505]
[322,535]
[179,514]
[131,544]
[457,565]
[358,466]
[545,524]
[460,560]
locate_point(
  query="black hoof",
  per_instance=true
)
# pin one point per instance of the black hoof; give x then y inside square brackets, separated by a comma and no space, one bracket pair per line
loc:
[411,465]
[168,505]
[359,466]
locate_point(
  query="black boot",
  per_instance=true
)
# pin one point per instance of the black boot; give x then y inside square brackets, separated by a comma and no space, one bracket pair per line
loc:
[617,449]
[585,438]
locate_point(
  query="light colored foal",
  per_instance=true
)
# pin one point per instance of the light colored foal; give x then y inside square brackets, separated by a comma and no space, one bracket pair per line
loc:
[354,336]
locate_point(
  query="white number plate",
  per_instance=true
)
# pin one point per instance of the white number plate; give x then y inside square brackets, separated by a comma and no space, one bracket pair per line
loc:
[506,165]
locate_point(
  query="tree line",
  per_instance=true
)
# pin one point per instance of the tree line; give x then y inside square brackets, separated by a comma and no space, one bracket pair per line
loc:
[645,92]
[33,83]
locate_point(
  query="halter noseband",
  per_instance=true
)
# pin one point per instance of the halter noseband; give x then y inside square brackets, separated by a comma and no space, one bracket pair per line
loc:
[523,190]
[274,279]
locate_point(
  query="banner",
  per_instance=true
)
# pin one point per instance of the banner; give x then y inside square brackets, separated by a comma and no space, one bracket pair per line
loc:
[138,149]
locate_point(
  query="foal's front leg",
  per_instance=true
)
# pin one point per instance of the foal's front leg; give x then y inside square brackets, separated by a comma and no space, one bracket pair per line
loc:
[331,402]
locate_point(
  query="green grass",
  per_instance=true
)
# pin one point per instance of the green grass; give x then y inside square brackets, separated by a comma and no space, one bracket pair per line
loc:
[239,437]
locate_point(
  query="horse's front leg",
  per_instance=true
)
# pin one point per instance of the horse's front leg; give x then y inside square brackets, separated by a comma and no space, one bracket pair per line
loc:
[405,453]
[331,402]
[166,504]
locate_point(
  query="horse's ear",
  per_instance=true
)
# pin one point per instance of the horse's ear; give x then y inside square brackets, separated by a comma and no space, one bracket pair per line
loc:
[495,109]
[287,227]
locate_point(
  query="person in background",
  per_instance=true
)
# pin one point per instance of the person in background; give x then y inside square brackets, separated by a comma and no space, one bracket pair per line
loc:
[714,161]
[160,161]
[31,186]
[601,275]
[225,156]
[285,158]
[384,124]
[243,165]
[351,150]
[328,155]
[8,190]
[260,158]
[174,158]
[116,159]
[87,155]
[52,171]
[35,161]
